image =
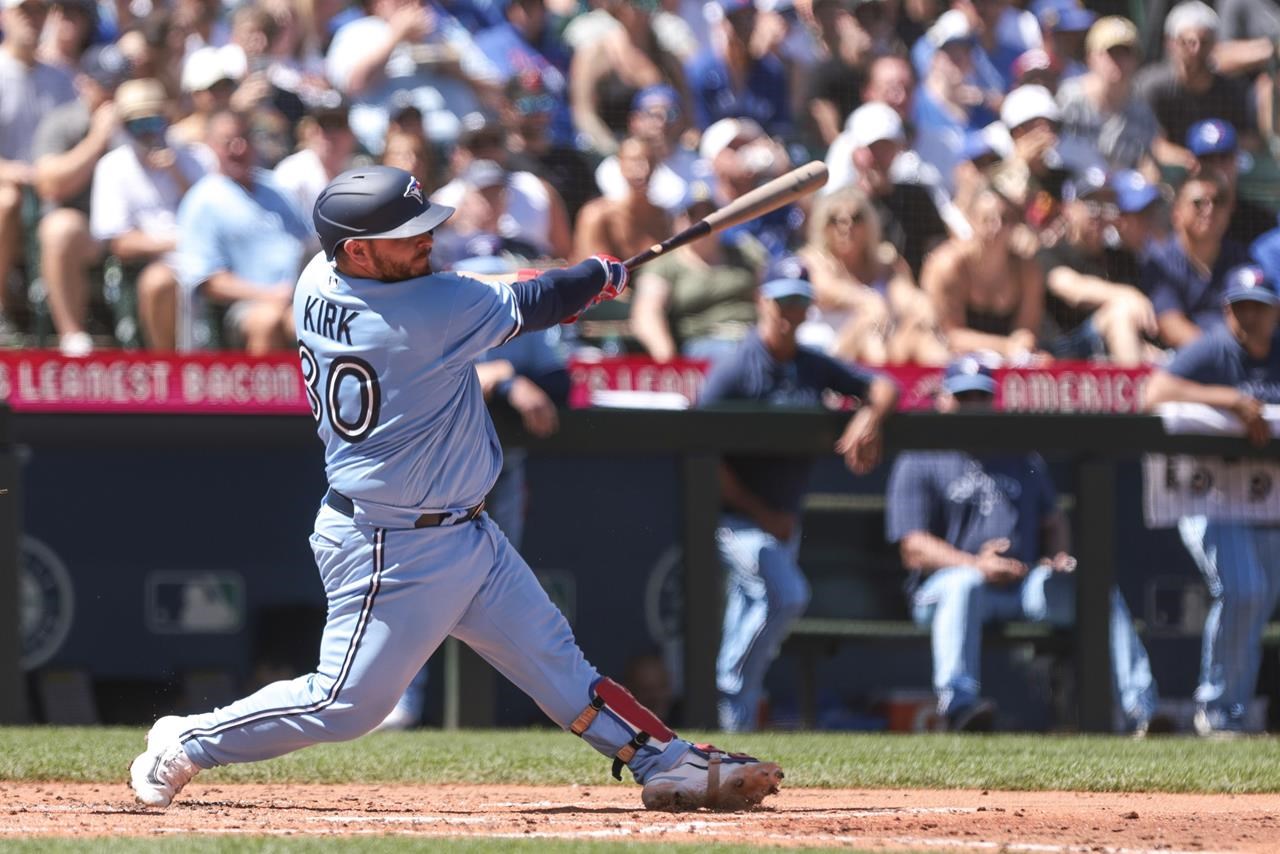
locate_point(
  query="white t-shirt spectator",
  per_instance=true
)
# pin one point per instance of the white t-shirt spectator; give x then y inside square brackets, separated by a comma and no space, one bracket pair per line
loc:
[127,196]
[27,94]
[668,183]
[301,177]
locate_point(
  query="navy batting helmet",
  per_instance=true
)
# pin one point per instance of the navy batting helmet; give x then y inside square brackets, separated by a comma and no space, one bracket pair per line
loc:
[374,202]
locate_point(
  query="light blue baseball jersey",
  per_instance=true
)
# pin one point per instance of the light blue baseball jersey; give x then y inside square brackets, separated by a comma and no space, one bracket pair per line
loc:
[390,376]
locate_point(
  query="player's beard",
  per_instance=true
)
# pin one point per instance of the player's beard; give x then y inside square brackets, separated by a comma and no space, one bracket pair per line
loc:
[398,270]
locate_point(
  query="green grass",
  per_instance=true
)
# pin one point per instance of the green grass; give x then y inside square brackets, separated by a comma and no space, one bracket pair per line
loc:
[829,760]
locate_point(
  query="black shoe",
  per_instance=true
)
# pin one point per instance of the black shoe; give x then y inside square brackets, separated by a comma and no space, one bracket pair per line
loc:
[979,717]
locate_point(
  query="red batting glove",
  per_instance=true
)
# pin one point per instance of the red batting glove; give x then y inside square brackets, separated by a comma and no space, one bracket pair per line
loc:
[524,274]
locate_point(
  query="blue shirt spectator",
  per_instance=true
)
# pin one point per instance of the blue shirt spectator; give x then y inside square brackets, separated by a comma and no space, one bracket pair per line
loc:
[525,42]
[765,93]
[1176,283]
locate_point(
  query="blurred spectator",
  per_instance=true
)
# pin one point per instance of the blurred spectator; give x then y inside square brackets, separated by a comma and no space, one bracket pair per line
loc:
[274,111]
[742,157]
[1185,274]
[625,226]
[1139,224]
[988,296]
[1186,89]
[1036,67]
[30,90]
[655,120]
[527,113]
[834,84]
[992,61]
[761,497]
[410,151]
[527,42]
[1099,108]
[515,205]
[868,308]
[626,56]
[699,300]
[910,218]
[326,149]
[134,205]
[985,541]
[1091,295]
[153,48]
[891,81]
[402,54]
[241,242]
[201,22]
[68,31]
[978,158]
[946,105]
[211,82]
[1065,23]
[68,143]
[1213,144]
[1033,172]
[1247,39]
[1234,367]
[730,81]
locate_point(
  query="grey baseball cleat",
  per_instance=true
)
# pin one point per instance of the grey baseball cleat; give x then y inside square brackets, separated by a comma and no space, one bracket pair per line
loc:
[706,777]
[160,771]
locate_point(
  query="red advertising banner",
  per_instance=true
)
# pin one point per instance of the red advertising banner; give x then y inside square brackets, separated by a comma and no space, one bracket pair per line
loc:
[234,383]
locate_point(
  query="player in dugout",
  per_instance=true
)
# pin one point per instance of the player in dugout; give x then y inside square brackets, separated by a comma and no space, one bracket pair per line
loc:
[405,551]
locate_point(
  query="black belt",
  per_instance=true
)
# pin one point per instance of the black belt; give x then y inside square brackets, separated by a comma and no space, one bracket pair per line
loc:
[346,507]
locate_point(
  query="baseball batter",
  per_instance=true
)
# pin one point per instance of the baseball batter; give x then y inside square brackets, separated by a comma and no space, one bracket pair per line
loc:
[405,551]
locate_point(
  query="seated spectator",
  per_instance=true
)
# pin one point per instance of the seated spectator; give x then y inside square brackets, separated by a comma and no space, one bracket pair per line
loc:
[410,151]
[68,143]
[401,54]
[987,295]
[210,81]
[528,42]
[1064,24]
[978,158]
[1091,294]
[742,157]
[515,205]
[761,496]
[655,120]
[625,226]
[1186,89]
[608,71]
[699,300]
[1232,367]
[1212,143]
[946,104]
[1036,67]
[1099,108]
[868,308]
[69,30]
[909,212]
[527,113]
[990,75]
[835,82]
[729,81]
[153,48]
[326,149]
[1185,274]
[1139,224]
[241,243]
[31,89]
[137,187]
[985,541]
[890,80]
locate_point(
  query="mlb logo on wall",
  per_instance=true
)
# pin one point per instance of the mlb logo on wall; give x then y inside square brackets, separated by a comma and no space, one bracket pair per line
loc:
[46,603]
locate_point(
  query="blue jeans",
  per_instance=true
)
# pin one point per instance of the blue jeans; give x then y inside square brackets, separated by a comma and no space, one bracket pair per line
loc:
[1241,566]
[765,593]
[957,601]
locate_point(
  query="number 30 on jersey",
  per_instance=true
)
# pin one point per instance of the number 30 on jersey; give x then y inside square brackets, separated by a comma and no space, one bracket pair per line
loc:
[344,372]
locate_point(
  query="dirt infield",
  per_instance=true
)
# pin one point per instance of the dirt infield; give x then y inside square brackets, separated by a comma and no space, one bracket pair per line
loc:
[954,821]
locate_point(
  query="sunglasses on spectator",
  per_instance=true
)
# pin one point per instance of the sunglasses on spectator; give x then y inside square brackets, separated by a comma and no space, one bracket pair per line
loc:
[146,126]
[1101,210]
[790,302]
[1202,202]
[1120,51]
[847,220]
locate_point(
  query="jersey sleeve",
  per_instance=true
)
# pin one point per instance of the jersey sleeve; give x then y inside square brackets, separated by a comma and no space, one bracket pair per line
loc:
[848,379]
[484,315]
[908,498]
[1199,361]
[721,384]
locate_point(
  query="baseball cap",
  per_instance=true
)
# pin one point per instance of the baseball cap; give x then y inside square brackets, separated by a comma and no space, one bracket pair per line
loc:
[952,26]
[374,202]
[1134,193]
[966,373]
[1111,31]
[135,99]
[656,96]
[1211,136]
[1247,283]
[105,65]
[1087,184]
[1192,15]
[721,135]
[1066,18]
[777,289]
[1035,61]
[875,121]
[1027,103]
[203,68]
[483,174]
[975,146]
[787,267]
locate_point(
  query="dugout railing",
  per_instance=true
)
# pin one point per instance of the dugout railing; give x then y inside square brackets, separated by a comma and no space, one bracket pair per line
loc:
[1094,444]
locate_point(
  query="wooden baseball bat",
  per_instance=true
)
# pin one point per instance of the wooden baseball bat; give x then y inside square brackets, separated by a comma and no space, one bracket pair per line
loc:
[782,190]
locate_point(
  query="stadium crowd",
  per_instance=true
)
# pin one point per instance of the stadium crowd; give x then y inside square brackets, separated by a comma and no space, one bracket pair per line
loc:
[1053,181]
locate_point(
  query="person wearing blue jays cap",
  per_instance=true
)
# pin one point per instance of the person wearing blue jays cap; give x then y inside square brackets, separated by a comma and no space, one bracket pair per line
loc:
[1214,144]
[1187,87]
[1065,23]
[761,496]
[656,119]
[984,540]
[1138,202]
[727,80]
[1236,368]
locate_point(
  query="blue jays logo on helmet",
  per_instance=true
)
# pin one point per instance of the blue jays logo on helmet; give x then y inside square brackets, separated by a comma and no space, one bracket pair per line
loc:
[414,191]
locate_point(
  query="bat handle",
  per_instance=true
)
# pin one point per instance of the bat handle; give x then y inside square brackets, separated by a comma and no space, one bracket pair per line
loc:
[699,229]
